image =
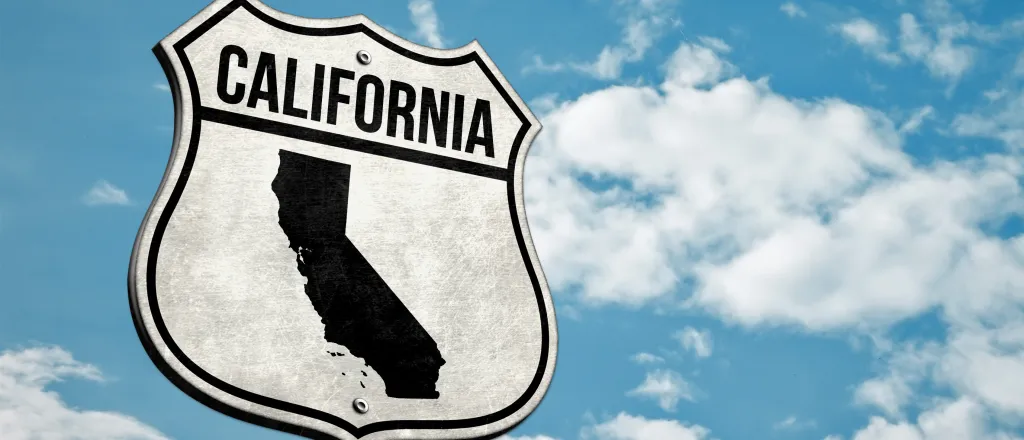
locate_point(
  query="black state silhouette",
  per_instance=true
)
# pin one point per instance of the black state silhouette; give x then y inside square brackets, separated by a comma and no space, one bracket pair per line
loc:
[356,306]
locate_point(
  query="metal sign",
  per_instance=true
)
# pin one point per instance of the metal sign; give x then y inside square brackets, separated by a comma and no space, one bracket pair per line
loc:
[339,246]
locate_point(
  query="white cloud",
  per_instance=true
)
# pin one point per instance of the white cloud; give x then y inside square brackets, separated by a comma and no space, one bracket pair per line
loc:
[906,367]
[951,420]
[869,37]
[792,9]
[716,44]
[863,33]
[888,394]
[105,193]
[987,365]
[981,360]
[428,27]
[699,342]
[1008,29]
[646,21]
[695,65]
[939,45]
[1003,121]
[666,387]
[647,358]
[544,104]
[902,246]
[629,427]
[941,54]
[995,94]
[537,64]
[794,423]
[162,87]
[779,211]
[881,429]
[29,411]
[1018,67]
[913,123]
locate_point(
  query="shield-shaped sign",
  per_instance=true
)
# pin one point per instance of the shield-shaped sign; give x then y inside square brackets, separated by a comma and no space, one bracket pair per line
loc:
[339,246]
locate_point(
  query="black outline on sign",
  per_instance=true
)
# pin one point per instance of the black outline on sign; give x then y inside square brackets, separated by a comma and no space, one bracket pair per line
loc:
[198,117]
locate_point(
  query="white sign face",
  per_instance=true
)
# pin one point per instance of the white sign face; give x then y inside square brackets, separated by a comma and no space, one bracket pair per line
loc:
[339,246]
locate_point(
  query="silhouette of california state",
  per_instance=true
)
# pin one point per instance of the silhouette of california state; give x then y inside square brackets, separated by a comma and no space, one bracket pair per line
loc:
[356,306]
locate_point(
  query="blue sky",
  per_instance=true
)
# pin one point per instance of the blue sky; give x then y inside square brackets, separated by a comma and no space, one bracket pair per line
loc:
[759,219]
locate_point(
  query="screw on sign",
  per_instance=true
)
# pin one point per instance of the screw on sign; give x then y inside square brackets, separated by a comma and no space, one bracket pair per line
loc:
[339,246]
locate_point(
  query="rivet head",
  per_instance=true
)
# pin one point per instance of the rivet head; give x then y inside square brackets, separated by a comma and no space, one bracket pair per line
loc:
[361,406]
[363,57]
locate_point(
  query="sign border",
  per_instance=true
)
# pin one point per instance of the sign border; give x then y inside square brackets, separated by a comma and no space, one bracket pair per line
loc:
[149,243]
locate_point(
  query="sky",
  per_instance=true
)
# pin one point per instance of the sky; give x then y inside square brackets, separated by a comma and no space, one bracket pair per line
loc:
[758,219]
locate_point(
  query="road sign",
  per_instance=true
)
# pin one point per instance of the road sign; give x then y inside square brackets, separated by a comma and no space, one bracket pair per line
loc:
[339,246]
